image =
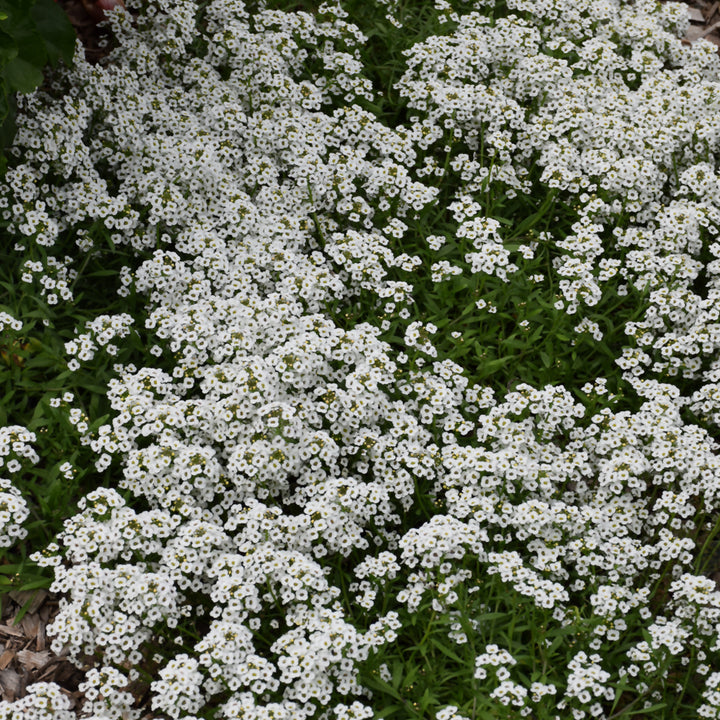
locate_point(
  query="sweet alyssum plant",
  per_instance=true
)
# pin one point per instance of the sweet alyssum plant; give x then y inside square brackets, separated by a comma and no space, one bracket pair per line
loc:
[424,423]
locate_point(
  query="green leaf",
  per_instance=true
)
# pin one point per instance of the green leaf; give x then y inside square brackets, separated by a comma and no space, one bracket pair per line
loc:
[57,32]
[386,711]
[445,651]
[37,584]
[378,683]
[26,606]
[647,711]
[92,387]
[546,359]
[397,674]
[533,219]
[562,634]
[426,699]
[491,366]
[486,715]
[102,273]
[8,107]
[8,47]
[514,342]
[22,76]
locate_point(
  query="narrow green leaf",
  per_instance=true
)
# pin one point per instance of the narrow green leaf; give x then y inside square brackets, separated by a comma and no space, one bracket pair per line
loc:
[386,711]
[41,582]
[514,342]
[648,710]
[378,683]
[397,674]
[491,366]
[426,699]
[23,610]
[445,651]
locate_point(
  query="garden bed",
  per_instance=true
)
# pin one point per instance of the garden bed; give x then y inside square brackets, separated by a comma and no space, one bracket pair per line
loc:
[360,361]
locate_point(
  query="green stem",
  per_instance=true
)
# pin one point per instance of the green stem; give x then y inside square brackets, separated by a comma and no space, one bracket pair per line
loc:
[708,540]
[86,260]
[343,589]
[647,693]
[426,635]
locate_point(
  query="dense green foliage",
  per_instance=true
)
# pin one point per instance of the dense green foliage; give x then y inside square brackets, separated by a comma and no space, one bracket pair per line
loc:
[33,34]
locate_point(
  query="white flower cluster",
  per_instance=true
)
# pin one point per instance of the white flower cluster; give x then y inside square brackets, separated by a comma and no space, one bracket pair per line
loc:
[105,696]
[43,701]
[270,444]
[98,334]
[15,451]
[711,707]
[8,321]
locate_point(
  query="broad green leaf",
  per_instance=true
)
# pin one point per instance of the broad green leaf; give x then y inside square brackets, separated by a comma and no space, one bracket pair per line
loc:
[56,31]
[22,76]
[7,114]
[8,47]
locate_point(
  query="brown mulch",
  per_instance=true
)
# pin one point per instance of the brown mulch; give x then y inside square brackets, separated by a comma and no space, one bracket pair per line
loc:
[705,21]
[25,655]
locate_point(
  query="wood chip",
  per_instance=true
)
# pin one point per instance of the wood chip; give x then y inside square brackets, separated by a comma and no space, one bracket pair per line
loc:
[6,658]
[11,630]
[46,611]
[696,16]
[711,12]
[12,685]
[33,660]
[710,30]
[30,624]
[35,597]
[49,670]
[40,639]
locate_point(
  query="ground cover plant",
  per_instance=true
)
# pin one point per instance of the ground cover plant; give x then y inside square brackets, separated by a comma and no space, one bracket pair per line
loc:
[360,361]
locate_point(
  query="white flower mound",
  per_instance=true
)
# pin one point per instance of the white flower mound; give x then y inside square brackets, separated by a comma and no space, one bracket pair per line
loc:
[270,443]
[15,450]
